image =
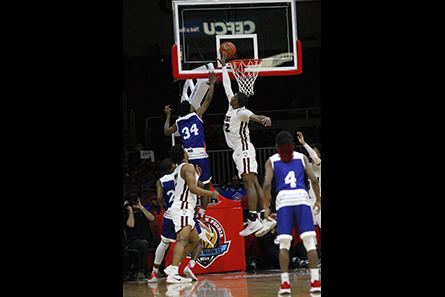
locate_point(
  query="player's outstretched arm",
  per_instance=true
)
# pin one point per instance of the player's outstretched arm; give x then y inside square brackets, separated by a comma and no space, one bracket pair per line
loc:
[208,99]
[266,121]
[225,77]
[188,173]
[167,129]
[311,152]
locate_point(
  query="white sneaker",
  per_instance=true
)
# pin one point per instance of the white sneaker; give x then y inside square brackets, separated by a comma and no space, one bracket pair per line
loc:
[167,270]
[188,270]
[177,279]
[251,227]
[153,277]
[268,224]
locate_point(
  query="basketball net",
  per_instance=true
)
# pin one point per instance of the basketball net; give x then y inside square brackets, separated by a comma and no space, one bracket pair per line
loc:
[246,72]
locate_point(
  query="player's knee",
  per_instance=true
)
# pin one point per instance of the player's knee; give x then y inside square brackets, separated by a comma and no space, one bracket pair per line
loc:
[285,242]
[309,242]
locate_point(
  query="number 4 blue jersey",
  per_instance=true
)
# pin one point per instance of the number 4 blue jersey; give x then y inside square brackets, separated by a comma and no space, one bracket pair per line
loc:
[191,129]
[289,176]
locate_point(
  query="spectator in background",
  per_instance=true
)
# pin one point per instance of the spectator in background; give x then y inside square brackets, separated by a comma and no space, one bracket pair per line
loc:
[236,192]
[137,227]
[153,206]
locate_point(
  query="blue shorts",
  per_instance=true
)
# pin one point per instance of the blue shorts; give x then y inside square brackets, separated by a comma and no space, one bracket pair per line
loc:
[168,229]
[300,214]
[204,163]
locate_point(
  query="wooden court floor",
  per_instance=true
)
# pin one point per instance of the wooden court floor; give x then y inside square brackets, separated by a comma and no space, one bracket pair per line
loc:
[236,284]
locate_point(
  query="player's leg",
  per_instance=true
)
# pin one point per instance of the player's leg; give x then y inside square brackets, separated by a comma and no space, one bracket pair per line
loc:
[268,222]
[285,220]
[182,239]
[195,246]
[206,179]
[252,201]
[167,235]
[183,220]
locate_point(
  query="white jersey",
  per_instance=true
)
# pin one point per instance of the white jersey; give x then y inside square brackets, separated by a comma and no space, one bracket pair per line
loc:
[317,172]
[184,199]
[236,121]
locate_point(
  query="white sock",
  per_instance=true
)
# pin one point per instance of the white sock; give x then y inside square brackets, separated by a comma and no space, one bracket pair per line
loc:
[192,263]
[202,211]
[160,252]
[155,269]
[314,275]
[285,277]
[174,270]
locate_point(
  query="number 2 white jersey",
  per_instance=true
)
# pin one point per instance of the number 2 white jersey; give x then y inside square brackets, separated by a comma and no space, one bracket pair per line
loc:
[236,121]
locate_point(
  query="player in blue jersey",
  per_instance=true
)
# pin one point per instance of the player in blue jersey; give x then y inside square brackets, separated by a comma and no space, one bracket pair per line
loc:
[292,205]
[191,128]
[165,187]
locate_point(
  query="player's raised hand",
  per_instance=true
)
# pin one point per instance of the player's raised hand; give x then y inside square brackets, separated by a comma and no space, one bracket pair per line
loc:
[300,138]
[223,60]
[212,77]
[198,170]
[167,110]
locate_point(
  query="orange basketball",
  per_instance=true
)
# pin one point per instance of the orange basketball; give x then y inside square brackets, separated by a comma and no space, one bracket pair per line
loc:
[228,47]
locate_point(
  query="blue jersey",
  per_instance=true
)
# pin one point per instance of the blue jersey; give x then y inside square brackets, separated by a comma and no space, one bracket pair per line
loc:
[233,194]
[191,129]
[168,184]
[289,176]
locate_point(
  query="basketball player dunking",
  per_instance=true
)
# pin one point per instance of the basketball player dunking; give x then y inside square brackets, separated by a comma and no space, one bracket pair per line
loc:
[236,132]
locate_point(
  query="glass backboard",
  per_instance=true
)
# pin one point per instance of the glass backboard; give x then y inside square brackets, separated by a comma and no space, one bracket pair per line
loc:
[260,29]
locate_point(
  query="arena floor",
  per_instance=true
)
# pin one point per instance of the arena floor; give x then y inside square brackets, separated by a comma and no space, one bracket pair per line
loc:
[237,284]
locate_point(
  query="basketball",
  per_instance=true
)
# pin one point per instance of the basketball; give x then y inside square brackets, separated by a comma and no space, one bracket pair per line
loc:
[228,47]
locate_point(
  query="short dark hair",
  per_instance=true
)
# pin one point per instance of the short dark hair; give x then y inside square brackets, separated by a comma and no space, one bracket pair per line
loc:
[183,108]
[242,99]
[176,153]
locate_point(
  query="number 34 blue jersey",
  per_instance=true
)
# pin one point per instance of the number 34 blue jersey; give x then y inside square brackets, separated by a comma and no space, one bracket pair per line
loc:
[191,129]
[289,176]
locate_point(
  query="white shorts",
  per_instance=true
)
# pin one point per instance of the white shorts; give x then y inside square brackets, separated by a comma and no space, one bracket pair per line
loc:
[316,218]
[182,218]
[245,160]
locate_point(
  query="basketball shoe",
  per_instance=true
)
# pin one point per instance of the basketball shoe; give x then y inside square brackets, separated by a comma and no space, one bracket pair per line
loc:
[268,225]
[153,277]
[316,286]
[202,222]
[251,227]
[177,279]
[285,288]
[188,270]
[167,270]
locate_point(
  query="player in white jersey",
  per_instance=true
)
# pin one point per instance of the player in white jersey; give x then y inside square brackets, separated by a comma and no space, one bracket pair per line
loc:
[236,132]
[316,168]
[165,187]
[183,209]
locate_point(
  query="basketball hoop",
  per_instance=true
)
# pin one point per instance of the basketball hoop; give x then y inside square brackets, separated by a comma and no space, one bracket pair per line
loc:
[246,72]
